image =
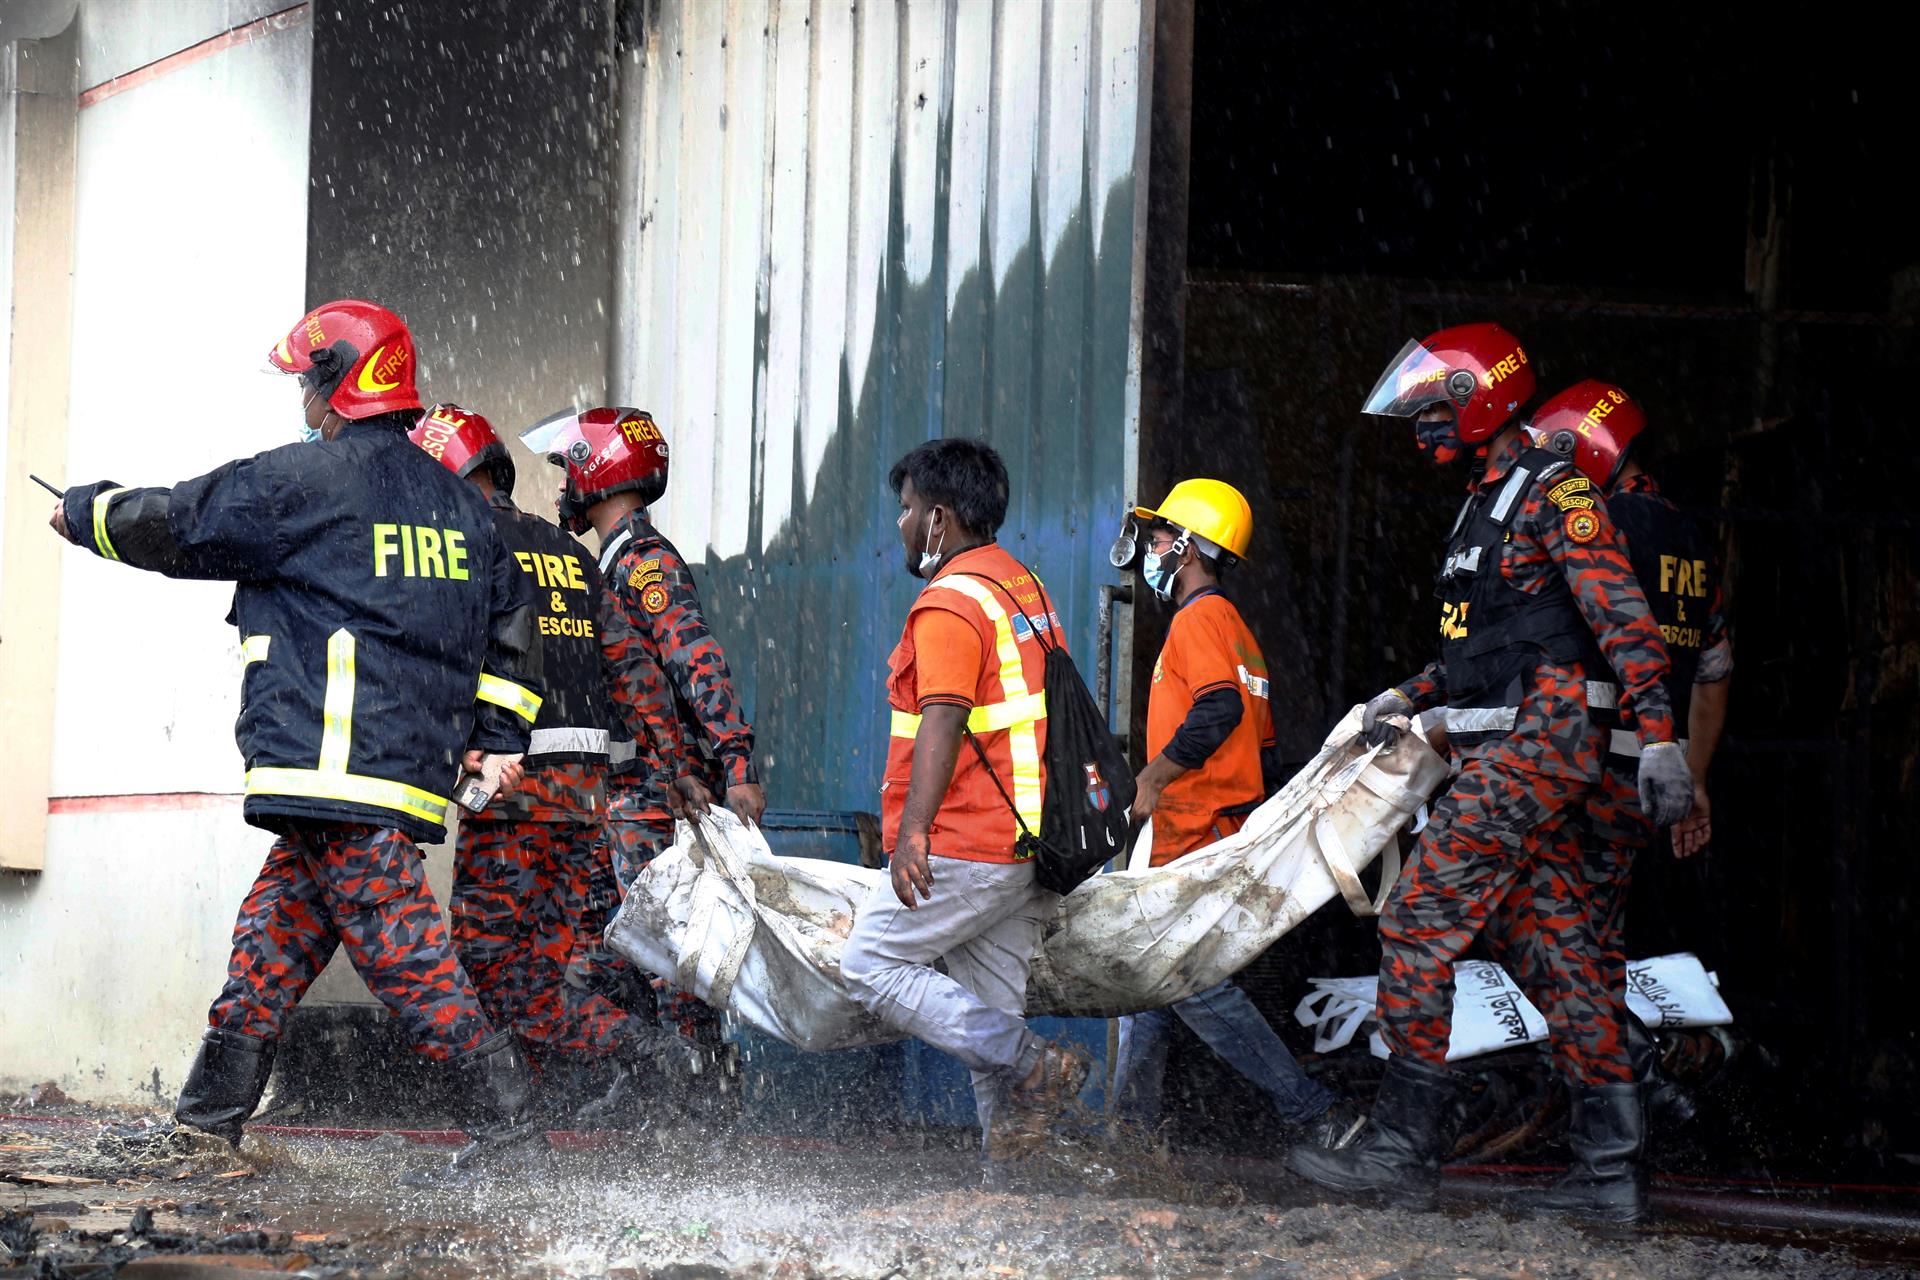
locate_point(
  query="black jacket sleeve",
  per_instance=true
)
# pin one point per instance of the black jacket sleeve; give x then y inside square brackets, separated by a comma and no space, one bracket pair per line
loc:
[222,525]
[1211,719]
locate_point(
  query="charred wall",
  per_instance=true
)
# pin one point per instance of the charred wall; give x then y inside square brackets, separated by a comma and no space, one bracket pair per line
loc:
[1682,212]
[462,173]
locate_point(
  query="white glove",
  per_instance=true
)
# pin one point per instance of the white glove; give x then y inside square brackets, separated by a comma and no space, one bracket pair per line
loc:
[1666,784]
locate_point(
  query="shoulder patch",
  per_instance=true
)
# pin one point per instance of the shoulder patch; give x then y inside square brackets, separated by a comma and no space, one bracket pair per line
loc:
[653,598]
[1572,494]
[1582,526]
[646,573]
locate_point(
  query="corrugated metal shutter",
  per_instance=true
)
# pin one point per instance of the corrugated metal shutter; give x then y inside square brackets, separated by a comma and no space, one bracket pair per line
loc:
[845,229]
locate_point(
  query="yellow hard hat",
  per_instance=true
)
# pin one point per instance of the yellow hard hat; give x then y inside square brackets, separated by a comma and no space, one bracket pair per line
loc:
[1213,509]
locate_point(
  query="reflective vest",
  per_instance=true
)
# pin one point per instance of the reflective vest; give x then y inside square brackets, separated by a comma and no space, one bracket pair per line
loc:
[1680,576]
[1009,716]
[566,759]
[1493,634]
[572,727]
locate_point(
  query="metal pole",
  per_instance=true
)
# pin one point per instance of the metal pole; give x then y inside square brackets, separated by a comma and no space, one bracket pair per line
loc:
[1103,694]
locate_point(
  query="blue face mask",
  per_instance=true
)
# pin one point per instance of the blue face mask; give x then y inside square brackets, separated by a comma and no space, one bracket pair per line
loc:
[1159,573]
[308,434]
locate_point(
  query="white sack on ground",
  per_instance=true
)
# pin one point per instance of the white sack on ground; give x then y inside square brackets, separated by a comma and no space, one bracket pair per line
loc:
[1490,1013]
[723,918]
[1676,991]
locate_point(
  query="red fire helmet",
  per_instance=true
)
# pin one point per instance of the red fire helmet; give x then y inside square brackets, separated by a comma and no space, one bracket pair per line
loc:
[605,451]
[463,441]
[1594,423]
[1480,369]
[357,354]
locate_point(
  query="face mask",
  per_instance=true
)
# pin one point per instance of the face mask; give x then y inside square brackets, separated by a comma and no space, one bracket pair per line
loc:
[308,434]
[930,558]
[1440,441]
[1159,568]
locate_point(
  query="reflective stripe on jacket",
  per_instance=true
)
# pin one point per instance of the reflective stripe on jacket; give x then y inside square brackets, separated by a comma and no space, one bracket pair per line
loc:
[1008,718]
[566,762]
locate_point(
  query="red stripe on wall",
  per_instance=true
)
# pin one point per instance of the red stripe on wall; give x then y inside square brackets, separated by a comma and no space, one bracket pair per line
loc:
[162,802]
[255,30]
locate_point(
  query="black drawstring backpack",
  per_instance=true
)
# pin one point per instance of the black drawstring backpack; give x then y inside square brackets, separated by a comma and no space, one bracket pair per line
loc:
[1084,813]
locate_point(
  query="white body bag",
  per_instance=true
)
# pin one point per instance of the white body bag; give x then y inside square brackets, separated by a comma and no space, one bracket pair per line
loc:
[719,916]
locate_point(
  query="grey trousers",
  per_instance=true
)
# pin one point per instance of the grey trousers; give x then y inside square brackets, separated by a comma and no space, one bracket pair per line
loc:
[981,924]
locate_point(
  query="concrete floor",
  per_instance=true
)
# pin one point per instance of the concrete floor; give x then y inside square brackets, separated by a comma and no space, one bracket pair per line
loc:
[691,1205]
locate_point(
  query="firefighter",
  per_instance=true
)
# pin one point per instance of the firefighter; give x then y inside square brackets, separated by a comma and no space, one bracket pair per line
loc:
[1537,598]
[969,665]
[1210,748]
[523,866]
[667,674]
[385,633]
[1597,424]
[615,461]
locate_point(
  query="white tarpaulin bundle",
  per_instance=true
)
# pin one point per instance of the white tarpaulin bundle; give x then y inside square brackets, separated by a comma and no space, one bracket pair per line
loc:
[718,915]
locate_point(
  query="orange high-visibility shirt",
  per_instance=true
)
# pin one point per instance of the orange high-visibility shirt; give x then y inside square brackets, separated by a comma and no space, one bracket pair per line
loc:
[1208,647]
[1000,675]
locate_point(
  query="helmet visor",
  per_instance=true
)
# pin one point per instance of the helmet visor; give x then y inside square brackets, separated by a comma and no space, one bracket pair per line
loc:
[549,436]
[1416,378]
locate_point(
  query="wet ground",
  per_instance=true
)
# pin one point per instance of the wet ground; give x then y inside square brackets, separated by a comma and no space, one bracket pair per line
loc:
[687,1206]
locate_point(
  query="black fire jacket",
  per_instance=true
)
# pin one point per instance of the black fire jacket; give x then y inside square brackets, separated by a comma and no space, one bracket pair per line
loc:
[385,627]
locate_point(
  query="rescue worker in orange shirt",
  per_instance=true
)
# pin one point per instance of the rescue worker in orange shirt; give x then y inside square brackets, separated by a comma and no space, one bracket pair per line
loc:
[963,894]
[1210,745]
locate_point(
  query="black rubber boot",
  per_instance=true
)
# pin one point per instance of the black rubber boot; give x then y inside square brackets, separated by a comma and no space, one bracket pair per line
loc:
[498,1074]
[655,1066]
[1415,1119]
[225,1083]
[1667,1100]
[1606,1179]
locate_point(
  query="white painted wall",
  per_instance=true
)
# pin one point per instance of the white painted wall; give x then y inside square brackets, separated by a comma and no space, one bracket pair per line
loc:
[189,261]
[6,264]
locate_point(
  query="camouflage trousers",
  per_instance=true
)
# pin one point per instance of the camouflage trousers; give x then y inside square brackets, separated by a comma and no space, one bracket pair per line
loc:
[1616,833]
[628,844]
[1503,858]
[522,911]
[363,888]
